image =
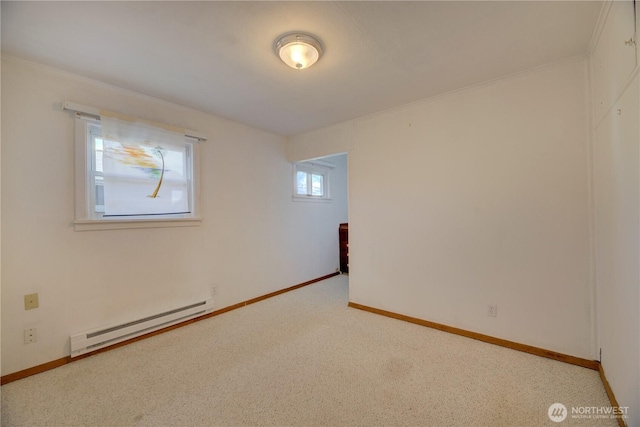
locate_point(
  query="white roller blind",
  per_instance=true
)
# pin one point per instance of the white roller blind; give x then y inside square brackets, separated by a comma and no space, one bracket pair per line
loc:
[145,167]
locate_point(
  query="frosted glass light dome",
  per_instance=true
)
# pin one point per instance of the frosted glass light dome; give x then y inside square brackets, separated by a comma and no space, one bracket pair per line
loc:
[298,50]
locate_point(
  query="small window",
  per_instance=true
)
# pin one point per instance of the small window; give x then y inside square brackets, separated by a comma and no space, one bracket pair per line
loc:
[311,182]
[133,185]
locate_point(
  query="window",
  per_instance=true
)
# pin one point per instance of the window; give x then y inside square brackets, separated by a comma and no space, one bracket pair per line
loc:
[311,181]
[122,182]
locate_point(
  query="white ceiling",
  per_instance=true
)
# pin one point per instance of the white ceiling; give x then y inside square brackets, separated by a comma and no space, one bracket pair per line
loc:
[218,56]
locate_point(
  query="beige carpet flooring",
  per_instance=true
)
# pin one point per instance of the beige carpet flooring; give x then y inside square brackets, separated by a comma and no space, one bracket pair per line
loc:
[304,358]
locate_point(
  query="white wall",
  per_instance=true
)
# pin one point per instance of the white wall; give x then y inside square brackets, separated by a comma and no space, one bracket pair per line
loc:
[474,198]
[322,142]
[253,240]
[0,219]
[615,89]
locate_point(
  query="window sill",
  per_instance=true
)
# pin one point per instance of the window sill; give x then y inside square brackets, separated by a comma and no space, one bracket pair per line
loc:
[311,199]
[120,224]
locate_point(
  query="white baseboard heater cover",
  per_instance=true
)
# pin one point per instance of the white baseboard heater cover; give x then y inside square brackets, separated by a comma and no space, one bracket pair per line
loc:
[96,339]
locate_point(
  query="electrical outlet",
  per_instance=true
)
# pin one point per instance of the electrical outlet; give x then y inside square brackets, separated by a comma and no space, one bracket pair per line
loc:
[492,310]
[31,301]
[214,290]
[30,335]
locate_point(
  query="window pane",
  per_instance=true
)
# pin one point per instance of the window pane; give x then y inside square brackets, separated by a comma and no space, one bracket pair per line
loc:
[144,179]
[301,179]
[317,185]
[99,192]
[98,151]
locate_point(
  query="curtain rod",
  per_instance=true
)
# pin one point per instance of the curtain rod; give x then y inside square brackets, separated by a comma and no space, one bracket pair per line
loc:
[95,113]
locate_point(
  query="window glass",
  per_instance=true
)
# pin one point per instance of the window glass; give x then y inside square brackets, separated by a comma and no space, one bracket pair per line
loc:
[317,185]
[301,181]
[144,179]
[133,179]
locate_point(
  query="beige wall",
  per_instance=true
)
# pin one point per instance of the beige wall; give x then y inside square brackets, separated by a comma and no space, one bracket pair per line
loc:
[615,91]
[323,142]
[253,240]
[474,198]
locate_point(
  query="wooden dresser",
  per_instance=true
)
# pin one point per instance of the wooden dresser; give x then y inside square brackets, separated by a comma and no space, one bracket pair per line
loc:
[343,232]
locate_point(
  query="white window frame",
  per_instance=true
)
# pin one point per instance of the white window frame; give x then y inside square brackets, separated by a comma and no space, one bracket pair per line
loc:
[316,168]
[86,216]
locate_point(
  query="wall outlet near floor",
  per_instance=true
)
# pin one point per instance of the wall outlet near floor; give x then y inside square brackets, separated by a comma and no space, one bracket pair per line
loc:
[30,335]
[31,301]
[492,310]
[214,290]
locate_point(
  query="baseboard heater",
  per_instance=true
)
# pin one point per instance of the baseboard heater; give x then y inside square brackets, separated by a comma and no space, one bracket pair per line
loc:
[98,338]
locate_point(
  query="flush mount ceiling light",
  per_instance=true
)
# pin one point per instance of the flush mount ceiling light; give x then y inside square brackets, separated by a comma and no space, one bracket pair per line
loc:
[298,50]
